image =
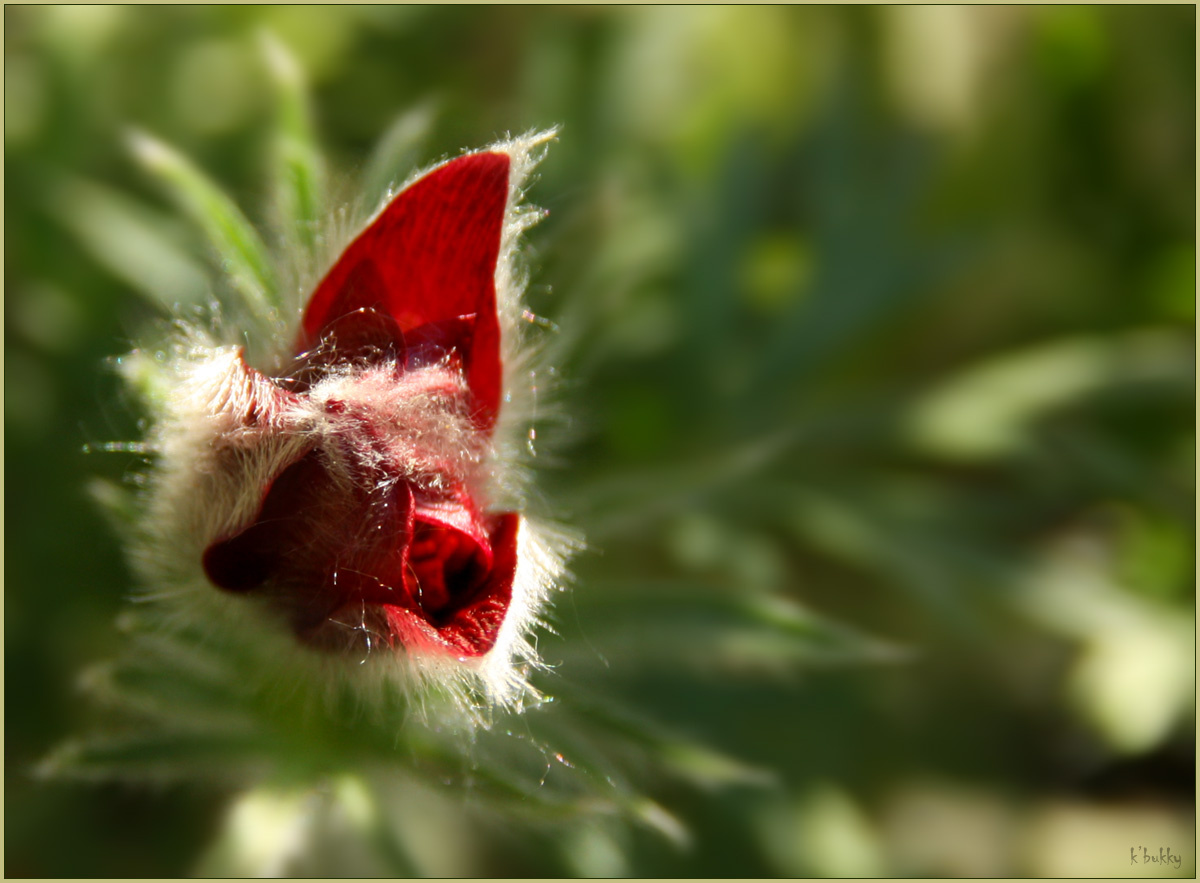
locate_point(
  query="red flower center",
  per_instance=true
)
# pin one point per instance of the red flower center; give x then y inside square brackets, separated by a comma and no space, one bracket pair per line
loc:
[376,526]
[434,573]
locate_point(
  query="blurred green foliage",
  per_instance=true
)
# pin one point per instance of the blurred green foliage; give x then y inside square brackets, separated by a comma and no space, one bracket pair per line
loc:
[877,354]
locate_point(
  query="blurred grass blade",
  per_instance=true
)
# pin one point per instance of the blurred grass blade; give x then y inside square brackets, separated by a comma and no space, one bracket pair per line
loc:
[299,167]
[334,828]
[987,410]
[238,247]
[713,630]
[611,726]
[264,832]
[159,755]
[624,504]
[116,503]
[398,150]
[655,817]
[129,240]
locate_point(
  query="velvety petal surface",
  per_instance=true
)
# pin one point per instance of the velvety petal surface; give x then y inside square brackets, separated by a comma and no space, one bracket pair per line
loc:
[429,257]
[440,571]
[468,627]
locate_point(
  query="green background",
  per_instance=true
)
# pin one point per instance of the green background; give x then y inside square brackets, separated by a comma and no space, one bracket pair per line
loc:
[886,312]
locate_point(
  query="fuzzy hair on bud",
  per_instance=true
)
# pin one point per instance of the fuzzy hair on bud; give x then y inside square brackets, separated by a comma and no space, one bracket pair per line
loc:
[352,499]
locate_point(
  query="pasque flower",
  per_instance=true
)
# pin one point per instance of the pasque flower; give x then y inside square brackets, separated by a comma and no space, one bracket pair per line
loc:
[350,487]
[394,392]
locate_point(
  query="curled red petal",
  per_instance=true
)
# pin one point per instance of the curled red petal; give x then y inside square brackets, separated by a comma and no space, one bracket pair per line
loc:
[315,546]
[445,566]
[430,256]
[439,572]
[475,625]
[471,626]
[247,559]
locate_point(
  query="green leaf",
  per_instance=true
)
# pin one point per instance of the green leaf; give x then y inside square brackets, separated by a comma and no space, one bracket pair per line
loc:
[129,240]
[159,755]
[334,827]
[238,246]
[398,150]
[624,504]
[117,504]
[299,166]
[711,630]
[987,410]
[615,730]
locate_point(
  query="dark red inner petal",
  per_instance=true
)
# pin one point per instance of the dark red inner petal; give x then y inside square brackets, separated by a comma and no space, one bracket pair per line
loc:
[319,551]
[366,335]
[315,546]
[445,565]
[428,344]
[470,627]
[474,627]
[429,257]
[246,560]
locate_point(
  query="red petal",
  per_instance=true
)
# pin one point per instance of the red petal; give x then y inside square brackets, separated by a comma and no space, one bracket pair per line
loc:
[363,332]
[429,343]
[314,547]
[244,561]
[476,625]
[456,511]
[472,624]
[430,256]
[450,554]
[440,572]
[444,565]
